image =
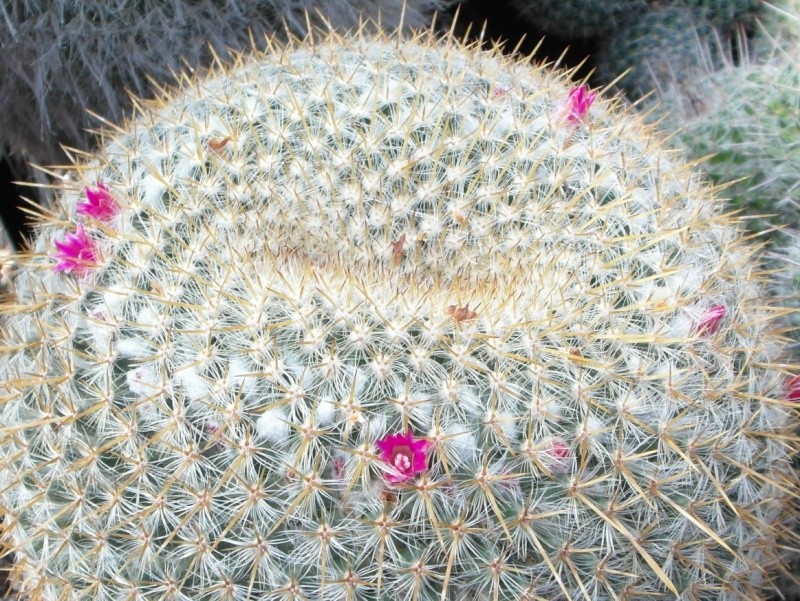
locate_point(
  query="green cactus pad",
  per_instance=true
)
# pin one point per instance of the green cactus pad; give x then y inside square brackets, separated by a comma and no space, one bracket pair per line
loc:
[325,247]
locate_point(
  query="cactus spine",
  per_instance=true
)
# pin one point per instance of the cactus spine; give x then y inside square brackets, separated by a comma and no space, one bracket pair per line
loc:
[387,319]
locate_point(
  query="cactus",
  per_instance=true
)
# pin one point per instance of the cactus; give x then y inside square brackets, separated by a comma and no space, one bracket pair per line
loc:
[587,18]
[748,118]
[663,44]
[725,13]
[786,257]
[577,18]
[391,319]
[61,59]
[777,31]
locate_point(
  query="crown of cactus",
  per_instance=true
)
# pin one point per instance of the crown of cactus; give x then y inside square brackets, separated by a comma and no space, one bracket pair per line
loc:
[63,58]
[386,319]
[663,44]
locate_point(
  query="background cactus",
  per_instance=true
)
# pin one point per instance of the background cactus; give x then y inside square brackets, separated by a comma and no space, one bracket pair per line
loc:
[663,44]
[323,247]
[777,29]
[587,18]
[748,118]
[61,59]
[577,18]
[725,13]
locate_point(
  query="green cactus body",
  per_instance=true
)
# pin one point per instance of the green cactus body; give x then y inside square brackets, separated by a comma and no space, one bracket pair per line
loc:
[664,44]
[725,13]
[748,118]
[785,255]
[581,18]
[777,30]
[323,247]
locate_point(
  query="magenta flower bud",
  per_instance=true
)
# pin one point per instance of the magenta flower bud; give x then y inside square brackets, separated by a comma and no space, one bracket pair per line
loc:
[578,103]
[556,455]
[98,204]
[405,454]
[214,430]
[498,92]
[710,320]
[75,253]
[339,468]
[793,389]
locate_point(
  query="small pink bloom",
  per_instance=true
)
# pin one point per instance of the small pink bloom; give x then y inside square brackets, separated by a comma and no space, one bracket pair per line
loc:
[98,204]
[556,455]
[793,389]
[710,320]
[559,449]
[499,92]
[406,455]
[339,468]
[214,430]
[578,103]
[75,252]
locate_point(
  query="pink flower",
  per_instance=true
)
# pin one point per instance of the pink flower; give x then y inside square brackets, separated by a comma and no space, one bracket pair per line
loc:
[710,320]
[75,252]
[555,455]
[405,454]
[578,103]
[559,449]
[499,92]
[793,389]
[339,468]
[98,204]
[214,430]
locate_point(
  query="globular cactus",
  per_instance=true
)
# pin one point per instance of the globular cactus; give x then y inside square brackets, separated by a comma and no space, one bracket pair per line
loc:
[587,18]
[777,30]
[747,120]
[785,256]
[725,13]
[577,18]
[62,59]
[668,43]
[387,319]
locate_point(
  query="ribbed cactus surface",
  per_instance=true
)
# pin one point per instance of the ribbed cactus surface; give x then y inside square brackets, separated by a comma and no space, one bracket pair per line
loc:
[397,320]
